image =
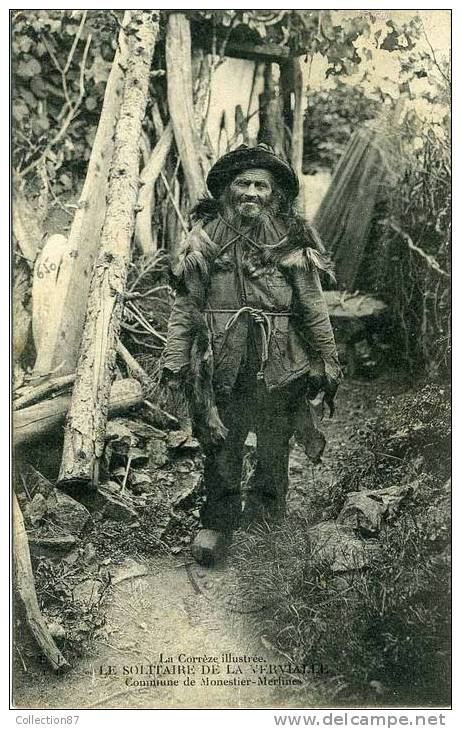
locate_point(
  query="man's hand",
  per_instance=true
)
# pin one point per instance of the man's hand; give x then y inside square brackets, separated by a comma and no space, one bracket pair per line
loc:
[327,385]
[330,389]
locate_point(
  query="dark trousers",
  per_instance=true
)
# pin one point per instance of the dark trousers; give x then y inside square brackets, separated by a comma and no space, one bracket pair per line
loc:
[271,415]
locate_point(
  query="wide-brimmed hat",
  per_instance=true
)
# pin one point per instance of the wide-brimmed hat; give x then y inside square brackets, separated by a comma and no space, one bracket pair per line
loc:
[250,158]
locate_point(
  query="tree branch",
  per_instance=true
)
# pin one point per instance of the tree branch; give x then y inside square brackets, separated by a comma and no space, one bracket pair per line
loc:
[430,260]
[67,121]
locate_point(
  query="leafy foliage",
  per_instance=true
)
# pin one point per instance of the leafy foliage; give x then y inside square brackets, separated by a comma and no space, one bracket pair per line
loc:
[331,118]
[60,64]
[328,32]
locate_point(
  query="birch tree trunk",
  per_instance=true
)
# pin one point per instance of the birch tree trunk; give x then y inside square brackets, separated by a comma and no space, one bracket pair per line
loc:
[87,418]
[181,105]
[64,330]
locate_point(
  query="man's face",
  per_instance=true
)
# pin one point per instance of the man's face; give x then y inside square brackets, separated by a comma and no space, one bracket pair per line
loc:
[251,192]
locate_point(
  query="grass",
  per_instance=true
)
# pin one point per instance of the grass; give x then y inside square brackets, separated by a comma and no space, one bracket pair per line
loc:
[383,633]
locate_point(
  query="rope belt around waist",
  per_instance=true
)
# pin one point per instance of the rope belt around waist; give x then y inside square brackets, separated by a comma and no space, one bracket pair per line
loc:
[261,318]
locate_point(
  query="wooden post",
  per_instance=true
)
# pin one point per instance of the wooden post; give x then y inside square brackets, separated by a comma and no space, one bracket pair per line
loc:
[87,418]
[272,129]
[181,104]
[297,136]
[149,175]
[64,329]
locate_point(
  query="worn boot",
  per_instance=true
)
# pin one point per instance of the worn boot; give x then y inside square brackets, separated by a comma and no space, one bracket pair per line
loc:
[210,546]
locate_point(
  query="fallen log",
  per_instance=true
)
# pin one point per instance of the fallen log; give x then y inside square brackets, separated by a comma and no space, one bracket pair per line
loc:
[84,436]
[31,394]
[31,423]
[25,587]
[34,393]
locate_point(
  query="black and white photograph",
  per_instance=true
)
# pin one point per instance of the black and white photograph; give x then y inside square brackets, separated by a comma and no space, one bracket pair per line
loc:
[230,272]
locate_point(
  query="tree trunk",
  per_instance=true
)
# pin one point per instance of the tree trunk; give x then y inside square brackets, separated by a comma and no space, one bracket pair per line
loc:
[33,422]
[181,105]
[297,136]
[64,329]
[86,424]
[272,129]
[149,175]
[25,587]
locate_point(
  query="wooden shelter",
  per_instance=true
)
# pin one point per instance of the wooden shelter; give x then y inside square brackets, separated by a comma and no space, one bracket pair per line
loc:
[270,92]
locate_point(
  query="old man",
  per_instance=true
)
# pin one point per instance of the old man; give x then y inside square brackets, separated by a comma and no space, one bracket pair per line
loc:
[249,335]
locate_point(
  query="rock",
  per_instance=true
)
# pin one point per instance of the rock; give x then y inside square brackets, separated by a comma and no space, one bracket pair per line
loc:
[73,557]
[181,439]
[140,431]
[115,507]
[365,511]
[56,630]
[88,592]
[141,482]
[393,497]
[66,513]
[120,436]
[185,466]
[183,499]
[112,486]
[89,553]
[119,474]
[158,453]
[362,513]
[129,570]
[337,547]
[35,482]
[138,457]
[35,509]
[49,546]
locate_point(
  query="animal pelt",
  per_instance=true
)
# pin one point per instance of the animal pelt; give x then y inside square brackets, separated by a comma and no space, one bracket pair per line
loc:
[195,256]
[206,423]
[300,247]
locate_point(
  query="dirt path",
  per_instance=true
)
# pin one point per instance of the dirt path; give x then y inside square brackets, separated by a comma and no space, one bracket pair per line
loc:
[162,609]
[170,608]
